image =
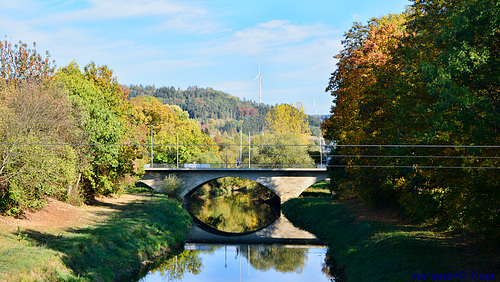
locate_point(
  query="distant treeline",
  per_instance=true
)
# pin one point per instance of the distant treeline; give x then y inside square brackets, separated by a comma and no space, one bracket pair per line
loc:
[217,111]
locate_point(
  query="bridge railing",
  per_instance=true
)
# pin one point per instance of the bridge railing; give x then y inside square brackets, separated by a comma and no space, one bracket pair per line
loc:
[233,165]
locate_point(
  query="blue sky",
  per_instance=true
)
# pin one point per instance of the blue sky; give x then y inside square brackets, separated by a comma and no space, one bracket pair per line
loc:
[215,43]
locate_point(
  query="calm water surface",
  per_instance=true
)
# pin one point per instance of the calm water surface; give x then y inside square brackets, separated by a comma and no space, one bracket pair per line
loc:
[235,206]
[244,263]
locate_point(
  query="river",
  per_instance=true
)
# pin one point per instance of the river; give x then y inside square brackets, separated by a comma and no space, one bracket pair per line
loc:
[200,262]
[241,235]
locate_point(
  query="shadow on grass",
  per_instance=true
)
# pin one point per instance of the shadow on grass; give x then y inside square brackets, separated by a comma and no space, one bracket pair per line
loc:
[119,247]
[374,251]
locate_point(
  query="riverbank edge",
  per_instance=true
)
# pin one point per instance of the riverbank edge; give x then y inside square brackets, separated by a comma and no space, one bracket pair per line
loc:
[364,250]
[119,247]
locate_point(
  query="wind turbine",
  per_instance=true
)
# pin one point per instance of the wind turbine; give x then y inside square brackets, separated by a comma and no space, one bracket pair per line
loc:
[315,106]
[259,76]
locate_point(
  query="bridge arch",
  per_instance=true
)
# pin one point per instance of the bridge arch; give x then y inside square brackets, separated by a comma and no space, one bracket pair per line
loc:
[286,183]
[190,191]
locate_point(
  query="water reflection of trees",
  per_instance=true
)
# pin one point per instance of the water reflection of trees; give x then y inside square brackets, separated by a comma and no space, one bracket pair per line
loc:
[178,266]
[332,270]
[260,257]
[275,257]
[235,205]
[185,262]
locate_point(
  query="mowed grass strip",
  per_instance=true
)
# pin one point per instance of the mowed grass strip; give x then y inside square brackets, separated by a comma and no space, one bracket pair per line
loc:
[374,251]
[117,248]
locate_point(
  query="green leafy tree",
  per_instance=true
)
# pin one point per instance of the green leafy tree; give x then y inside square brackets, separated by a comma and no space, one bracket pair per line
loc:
[455,100]
[279,149]
[102,121]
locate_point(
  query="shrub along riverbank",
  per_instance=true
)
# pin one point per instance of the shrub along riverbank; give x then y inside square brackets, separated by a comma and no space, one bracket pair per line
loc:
[366,250]
[122,238]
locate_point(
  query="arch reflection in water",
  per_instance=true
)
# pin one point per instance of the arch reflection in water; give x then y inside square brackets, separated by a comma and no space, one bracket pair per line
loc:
[243,262]
[235,205]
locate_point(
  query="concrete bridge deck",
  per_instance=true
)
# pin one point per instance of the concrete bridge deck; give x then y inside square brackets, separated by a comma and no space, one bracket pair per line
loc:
[285,182]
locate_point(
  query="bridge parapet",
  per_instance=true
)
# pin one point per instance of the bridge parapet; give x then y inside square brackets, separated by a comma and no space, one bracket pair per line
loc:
[285,182]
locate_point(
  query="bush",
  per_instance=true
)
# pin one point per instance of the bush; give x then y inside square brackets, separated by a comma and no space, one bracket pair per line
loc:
[173,186]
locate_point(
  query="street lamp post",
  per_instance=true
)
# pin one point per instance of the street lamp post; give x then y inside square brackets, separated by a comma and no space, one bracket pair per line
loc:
[151,127]
[226,156]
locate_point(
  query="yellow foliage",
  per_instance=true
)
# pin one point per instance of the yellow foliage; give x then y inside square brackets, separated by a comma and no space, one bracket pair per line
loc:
[287,118]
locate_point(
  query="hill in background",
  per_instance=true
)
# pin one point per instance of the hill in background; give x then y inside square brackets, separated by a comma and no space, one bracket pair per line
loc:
[217,111]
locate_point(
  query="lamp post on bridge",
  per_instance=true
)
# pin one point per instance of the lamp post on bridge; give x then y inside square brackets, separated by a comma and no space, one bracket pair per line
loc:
[249,149]
[226,156]
[151,164]
[321,151]
[151,127]
[177,150]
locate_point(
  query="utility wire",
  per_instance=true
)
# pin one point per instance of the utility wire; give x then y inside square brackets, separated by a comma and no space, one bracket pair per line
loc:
[289,145]
[413,167]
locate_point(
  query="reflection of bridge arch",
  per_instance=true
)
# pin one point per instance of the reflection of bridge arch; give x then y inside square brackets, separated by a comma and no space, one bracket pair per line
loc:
[207,228]
[281,231]
[286,183]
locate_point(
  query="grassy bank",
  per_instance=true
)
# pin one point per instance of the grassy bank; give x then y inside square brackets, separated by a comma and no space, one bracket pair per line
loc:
[120,239]
[374,251]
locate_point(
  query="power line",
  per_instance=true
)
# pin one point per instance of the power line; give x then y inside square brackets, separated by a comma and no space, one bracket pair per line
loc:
[413,167]
[419,146]
[296,145]
[433,157]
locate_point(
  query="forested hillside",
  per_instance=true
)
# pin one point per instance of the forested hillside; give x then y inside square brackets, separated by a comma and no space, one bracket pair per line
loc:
[216,110]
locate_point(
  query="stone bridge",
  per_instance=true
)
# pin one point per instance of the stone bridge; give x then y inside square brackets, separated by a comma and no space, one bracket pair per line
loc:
[285,182]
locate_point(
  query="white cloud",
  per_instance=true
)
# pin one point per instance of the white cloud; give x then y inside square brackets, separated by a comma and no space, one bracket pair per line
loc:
[148,15]
[273,24]
[272,34]
[122,9]
[190,23]
[19,4]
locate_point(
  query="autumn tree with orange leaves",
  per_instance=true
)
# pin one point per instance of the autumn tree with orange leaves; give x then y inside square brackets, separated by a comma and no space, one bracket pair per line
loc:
[421,89]
[18,63]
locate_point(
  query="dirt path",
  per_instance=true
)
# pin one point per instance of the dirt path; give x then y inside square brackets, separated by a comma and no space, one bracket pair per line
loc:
[58,216]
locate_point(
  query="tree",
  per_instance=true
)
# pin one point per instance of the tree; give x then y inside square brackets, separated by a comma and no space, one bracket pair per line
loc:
[35,112]
[287,129]
[427,77]
[31,170]
[280,149]
[102,119]
[19,64]
[455,98]
[286,118]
